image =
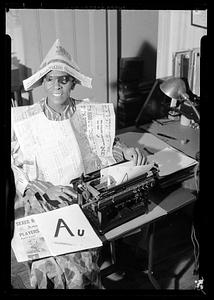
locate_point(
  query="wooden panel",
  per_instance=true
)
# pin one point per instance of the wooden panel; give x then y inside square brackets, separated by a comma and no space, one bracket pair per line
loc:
[82,32]
[47,29]
[66,29]
[32,45]
[139,28]
[26,42]
[100,52]
[112,48]
[163,63]
[139,36]
[91,50]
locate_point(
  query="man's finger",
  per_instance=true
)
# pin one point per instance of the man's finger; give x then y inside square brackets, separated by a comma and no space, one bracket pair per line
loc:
[134,157]
[144,160]
[55,202]
[69,191]
[66,197]
[139,157]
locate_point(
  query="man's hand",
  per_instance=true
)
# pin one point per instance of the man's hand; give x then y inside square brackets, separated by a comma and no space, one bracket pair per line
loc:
[63,194]
[134,154]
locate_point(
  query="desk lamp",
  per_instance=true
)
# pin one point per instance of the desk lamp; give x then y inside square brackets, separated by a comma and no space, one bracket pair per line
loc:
[175,88]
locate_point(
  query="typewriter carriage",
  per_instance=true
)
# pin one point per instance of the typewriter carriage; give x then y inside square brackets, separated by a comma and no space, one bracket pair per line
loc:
[108,205]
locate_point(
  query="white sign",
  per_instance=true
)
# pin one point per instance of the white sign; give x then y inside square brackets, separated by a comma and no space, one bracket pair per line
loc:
[53,233]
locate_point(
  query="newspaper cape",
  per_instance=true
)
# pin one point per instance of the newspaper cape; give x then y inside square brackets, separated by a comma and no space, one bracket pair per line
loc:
[61,151]
[53,233]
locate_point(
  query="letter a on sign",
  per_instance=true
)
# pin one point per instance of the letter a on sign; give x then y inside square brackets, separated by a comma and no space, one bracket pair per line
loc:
[61,223]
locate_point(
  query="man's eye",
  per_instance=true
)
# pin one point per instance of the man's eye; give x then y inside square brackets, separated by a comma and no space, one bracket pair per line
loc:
[60,79]
[49,79]
[64,79]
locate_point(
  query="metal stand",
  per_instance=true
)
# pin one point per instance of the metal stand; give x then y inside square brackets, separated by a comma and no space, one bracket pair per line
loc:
[112,251]
[109,270]
[150,258]
[112,268]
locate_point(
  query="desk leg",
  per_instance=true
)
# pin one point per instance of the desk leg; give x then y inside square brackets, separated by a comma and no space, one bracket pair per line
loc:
[110,269]
[112,251]
[150,259]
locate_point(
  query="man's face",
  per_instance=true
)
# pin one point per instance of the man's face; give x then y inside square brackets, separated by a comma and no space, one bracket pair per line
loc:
[58,85]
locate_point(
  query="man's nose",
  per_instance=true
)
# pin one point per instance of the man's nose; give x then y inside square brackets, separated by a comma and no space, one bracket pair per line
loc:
[56,83]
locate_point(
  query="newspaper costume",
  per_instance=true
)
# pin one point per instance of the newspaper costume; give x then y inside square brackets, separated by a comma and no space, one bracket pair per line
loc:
[71,271]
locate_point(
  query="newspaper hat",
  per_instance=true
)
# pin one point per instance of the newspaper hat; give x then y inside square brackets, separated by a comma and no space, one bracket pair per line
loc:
[56,59]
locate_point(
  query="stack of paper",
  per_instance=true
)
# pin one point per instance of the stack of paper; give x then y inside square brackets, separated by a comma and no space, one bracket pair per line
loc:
[170,161]
[124,171]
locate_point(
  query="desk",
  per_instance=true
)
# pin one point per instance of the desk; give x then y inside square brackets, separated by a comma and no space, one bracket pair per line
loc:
[163,202]
[173,128]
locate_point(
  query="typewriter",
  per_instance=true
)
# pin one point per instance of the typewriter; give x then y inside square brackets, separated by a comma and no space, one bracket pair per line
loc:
[108,205]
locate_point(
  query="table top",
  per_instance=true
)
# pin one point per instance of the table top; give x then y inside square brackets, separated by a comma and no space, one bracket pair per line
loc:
[171,128]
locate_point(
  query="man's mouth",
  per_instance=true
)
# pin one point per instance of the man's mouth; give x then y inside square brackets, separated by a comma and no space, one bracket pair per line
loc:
[57,94]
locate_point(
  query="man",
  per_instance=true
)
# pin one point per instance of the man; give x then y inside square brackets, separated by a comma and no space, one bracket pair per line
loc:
[49,148]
